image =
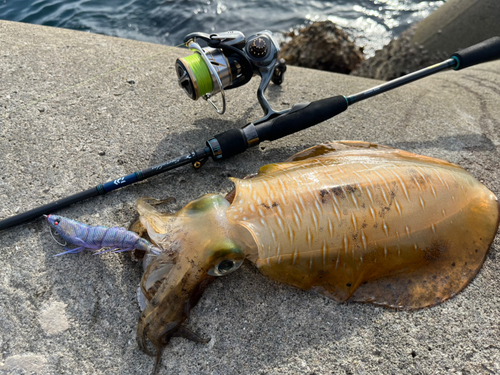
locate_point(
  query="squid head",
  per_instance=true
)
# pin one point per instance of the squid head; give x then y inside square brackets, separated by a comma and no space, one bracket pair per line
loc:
[354,221]
[199,244]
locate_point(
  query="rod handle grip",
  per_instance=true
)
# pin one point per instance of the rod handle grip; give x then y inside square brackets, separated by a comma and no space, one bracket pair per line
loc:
[300,117]
[485,51]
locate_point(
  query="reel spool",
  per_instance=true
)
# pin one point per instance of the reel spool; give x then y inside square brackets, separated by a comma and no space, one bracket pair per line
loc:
[228,62]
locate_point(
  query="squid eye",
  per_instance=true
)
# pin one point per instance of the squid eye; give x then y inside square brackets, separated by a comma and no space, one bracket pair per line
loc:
[225,267]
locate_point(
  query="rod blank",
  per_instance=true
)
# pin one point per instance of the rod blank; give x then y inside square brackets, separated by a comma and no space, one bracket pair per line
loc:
[299,117]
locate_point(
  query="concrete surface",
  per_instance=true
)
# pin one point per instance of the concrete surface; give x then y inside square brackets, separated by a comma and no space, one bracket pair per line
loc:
[78,109]
[455,25]
[458,24]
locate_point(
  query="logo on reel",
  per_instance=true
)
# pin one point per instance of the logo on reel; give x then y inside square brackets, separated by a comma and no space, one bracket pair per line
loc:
[229,61]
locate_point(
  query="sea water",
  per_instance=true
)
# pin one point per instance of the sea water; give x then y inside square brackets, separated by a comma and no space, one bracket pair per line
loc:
[370,23]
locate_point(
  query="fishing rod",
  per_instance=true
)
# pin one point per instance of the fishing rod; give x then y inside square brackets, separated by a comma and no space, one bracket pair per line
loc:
[230,61]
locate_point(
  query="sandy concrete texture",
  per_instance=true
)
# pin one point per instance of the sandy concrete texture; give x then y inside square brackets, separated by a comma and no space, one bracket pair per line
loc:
[455,25]
[458,24]
[78,109]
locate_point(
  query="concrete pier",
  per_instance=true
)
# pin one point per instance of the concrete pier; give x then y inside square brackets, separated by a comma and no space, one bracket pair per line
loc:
[458,24]
[78,109]
[455,25]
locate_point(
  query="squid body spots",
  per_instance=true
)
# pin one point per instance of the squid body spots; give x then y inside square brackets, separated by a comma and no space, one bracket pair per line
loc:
[354,222]
[385,228]
[363,240]
[398,207]
[422,203]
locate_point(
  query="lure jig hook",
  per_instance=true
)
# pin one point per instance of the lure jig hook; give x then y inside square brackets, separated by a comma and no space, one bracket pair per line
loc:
[274,125]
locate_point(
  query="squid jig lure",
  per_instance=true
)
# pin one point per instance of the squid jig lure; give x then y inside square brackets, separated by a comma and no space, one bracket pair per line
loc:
[353,221]
[87,237]
[234,60]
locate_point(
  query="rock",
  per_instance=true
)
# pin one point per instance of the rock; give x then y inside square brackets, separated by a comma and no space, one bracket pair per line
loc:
[457,24]
[323,46]
[256,325]
[400,57]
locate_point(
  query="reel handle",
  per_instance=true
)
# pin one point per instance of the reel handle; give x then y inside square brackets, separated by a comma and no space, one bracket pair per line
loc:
[274,126]
[485,51]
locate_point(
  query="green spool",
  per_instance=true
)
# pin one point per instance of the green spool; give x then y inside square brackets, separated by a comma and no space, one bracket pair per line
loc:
[200,72]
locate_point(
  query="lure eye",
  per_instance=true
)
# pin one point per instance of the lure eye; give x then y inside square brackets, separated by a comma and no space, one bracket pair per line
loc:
[56,221]
[225,267]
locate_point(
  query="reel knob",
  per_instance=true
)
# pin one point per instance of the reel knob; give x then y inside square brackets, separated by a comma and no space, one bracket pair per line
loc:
[258,48]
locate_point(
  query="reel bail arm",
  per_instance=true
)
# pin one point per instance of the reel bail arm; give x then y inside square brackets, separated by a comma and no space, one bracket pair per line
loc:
[236,141]
[230,61]
[215,81]
[302,116]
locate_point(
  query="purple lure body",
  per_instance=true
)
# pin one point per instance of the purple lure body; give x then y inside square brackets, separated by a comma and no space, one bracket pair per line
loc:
[84,236]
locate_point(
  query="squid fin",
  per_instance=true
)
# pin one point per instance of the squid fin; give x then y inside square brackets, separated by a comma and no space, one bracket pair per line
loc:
[329,149]
[332,148]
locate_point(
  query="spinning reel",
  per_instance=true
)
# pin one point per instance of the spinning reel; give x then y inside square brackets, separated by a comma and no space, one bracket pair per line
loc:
[229,61]
[232,63]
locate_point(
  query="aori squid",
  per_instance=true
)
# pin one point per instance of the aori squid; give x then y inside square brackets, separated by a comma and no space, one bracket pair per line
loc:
[353,221]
